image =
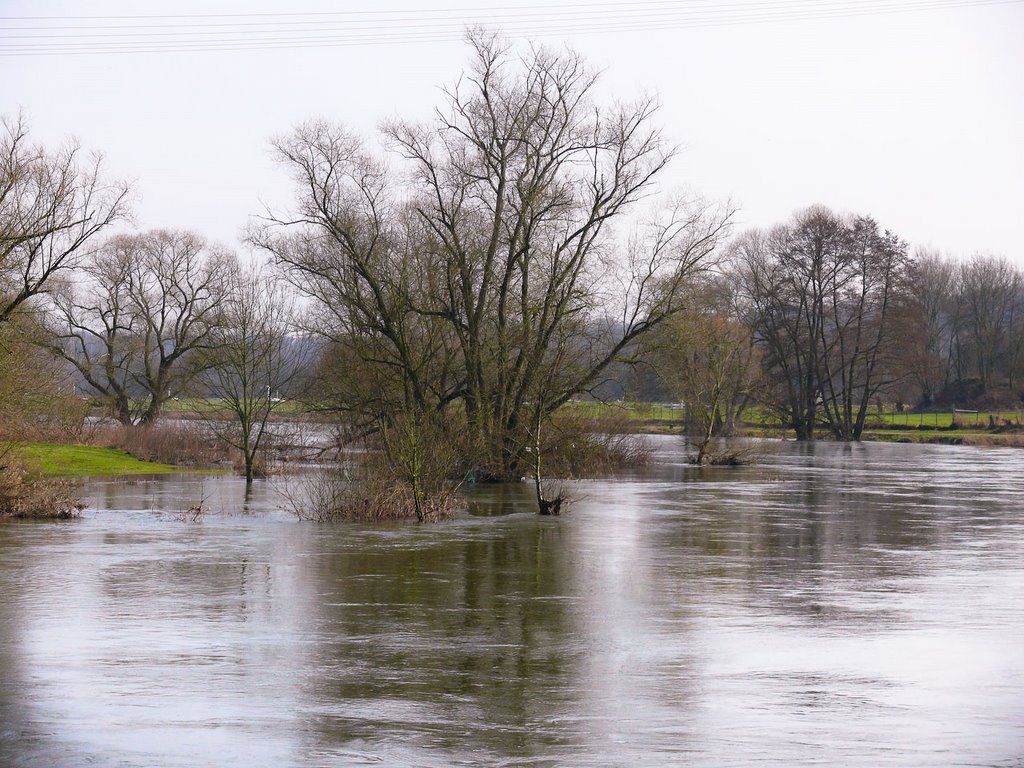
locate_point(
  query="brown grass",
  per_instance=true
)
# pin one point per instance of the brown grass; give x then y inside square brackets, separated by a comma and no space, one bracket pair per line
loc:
[997,439]
[23,495]
[577,446]
[178,442]
[364,489]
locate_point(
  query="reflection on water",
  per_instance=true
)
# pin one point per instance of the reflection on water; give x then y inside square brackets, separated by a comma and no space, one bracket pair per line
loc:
[848,605]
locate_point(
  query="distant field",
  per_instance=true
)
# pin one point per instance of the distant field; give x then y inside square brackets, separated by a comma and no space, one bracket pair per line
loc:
[666,414]
[945,419]
[630,409]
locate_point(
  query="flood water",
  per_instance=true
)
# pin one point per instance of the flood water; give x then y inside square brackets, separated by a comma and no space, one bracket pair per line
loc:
[828,605]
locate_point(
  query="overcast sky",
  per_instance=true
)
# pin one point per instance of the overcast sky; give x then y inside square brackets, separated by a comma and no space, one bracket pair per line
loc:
[915,117]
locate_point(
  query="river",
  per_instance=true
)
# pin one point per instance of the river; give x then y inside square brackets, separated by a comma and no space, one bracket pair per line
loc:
[828,604]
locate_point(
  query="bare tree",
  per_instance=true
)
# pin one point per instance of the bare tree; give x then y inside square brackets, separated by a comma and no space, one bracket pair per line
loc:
[493,277]
[52,204]
[990,291]
[825,289]
[251,362]
[783,320]
[147,302]
[928,333]
[860,346]
[705,357]
[94,327]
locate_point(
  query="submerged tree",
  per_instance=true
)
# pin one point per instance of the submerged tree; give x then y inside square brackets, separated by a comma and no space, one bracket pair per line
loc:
[491,274]
[251,361]
[706,359]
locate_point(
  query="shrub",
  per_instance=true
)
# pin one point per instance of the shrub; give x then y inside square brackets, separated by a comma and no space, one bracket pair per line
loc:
[37,401]
[575,445]
[23,495]
[365,488]
[183,443]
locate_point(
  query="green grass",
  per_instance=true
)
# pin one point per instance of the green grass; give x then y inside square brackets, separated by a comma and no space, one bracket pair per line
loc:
[53,460]
[945,420]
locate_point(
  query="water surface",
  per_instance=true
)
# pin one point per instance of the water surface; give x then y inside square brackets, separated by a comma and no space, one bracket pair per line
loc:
[828,605]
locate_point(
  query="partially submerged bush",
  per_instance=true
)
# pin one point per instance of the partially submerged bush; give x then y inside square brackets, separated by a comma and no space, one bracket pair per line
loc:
[725,454]
[22,495]
[574,445]
[260,467]
[411,467]
[366,489]
[727,459]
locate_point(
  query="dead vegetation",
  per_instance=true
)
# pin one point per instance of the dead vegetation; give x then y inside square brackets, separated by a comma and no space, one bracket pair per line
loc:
[179,442]
[23,495]
[578,446]
[364,490]
[348,493]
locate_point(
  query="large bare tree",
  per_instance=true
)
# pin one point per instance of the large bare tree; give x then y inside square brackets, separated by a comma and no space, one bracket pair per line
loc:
[252,361]
[52,204]
[491,272]
[824,290]
[143,305]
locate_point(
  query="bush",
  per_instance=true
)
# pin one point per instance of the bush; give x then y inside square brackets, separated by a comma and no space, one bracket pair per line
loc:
[182,443]
[575,445]
[37,400]
[365,489]
[23,495]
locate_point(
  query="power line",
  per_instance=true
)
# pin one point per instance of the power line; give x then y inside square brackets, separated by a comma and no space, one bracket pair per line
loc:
[608,10]
[552,20]
[385,12]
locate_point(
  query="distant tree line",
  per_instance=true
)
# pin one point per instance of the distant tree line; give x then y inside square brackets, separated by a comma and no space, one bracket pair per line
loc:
[965,345]
[839,317]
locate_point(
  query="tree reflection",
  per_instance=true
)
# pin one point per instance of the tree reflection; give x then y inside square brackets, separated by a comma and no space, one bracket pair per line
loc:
[461,643]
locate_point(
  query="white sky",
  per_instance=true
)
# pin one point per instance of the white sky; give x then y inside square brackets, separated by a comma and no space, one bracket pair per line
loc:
[916,118]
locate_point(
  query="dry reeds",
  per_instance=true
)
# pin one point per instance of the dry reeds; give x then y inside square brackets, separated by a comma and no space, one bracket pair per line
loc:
[183,443]
[365,490]
[576,446]
[22,495]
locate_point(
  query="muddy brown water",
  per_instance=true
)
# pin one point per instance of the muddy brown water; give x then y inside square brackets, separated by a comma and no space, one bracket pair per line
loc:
[827,605]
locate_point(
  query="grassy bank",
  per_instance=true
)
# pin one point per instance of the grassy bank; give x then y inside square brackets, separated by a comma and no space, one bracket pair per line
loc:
[948,437]
[53,460]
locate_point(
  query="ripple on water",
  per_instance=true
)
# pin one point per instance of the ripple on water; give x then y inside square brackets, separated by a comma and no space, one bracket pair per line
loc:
[852,605]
